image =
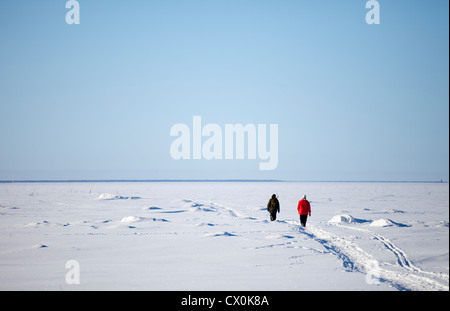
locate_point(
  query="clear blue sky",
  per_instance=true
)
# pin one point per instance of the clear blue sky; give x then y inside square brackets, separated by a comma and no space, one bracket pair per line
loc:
[97,100]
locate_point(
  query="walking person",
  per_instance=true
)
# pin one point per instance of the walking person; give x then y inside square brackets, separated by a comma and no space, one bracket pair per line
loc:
[304,209]
[273,207]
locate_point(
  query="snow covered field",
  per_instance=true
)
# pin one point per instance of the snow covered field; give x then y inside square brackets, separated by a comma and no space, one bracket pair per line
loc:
[217,236]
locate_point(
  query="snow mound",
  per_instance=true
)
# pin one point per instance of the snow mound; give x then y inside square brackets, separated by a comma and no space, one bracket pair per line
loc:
[339,219]
[159,219]
[442,224]
[202,224]
[151,208]
[200,208]
[397,211]
[222,233]
[279,236]
[44,223]
[130,219]
[386,223]
[112,196]
[36,246]
[346,219]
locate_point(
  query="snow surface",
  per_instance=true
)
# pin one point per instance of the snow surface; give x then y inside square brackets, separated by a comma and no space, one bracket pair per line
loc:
[217,236]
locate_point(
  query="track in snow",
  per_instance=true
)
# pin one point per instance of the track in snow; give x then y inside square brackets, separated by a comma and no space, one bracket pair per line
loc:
[406,275]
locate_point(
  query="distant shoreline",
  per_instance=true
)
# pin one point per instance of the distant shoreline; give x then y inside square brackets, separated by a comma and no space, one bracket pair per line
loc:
[213,180]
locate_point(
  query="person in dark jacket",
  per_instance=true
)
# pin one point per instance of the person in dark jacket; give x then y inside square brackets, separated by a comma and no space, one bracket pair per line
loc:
[273,207]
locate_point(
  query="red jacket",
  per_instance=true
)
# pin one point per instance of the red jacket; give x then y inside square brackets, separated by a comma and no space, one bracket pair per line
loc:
[304,208]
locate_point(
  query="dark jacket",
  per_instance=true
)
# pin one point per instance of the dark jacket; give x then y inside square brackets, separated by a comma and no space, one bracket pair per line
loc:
[273,206]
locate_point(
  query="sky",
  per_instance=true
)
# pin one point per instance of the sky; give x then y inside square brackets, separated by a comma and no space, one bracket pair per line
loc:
[97,100]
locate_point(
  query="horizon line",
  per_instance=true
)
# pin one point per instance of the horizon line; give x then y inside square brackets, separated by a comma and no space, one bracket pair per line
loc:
[211,180]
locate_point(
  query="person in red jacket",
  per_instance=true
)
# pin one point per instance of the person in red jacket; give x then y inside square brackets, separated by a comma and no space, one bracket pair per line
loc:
[304,209]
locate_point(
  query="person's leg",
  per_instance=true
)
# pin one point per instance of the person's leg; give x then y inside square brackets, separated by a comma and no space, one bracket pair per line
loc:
[303,220]
[273,216]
